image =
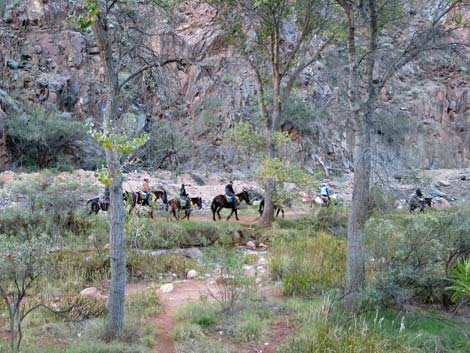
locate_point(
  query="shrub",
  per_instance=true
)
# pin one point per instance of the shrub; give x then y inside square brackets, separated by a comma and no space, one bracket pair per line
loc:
[410,255]
[84,308]
[333,220]
[232,285]
[309,265]
[47,204]
[461,281]
[42,139]
[203,314]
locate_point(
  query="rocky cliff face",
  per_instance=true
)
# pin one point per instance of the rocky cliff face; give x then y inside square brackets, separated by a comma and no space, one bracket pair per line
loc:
[44,59]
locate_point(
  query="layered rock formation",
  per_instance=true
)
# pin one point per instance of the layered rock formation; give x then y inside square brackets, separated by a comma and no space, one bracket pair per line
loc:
[45,59]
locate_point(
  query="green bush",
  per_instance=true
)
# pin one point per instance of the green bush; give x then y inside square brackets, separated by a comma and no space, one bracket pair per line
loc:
[309,265]
[409,256]
[41,139]
[47,204]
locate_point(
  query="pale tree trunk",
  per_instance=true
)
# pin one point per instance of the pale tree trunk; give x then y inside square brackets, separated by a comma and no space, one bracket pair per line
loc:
[117,286]
[116,309]
[355,277]
[361,115]
[267,217]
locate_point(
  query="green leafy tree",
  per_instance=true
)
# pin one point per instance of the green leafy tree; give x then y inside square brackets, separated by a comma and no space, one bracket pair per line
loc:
[259,30]
[21,264]
[279,170]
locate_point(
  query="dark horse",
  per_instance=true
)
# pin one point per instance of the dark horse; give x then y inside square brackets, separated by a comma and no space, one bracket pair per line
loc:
[416,202]
[135,198]
[276,207]
[175,206]
[97,205]
[220,202]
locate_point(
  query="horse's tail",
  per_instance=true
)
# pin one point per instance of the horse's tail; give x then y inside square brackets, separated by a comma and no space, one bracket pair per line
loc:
[213,206]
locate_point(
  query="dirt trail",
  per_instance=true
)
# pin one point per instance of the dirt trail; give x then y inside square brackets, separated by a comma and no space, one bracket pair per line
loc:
[247,219]
[183,293]
[193,291]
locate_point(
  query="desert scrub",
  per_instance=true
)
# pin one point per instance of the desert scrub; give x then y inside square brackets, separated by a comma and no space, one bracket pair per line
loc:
[308,265]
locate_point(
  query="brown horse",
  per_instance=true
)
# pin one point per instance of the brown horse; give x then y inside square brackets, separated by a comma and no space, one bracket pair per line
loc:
[175,208]
[220,202]
[135,198]
[276,208]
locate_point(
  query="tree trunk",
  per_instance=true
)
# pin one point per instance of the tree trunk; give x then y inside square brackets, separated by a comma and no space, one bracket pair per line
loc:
[117,286]
[355,276]
[116,314]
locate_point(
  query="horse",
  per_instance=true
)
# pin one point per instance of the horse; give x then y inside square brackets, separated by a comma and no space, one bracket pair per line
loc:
[175,205]
[197,201]
[220,202]
[135,198]
[416,202]
[276,207]
[97,205]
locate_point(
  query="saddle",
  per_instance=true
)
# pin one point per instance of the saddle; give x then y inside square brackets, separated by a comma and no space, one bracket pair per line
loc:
[229,199]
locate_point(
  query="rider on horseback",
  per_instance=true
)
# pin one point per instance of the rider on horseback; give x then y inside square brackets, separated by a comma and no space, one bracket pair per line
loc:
[229,192]
[325,193]
[146,190]
[184,196]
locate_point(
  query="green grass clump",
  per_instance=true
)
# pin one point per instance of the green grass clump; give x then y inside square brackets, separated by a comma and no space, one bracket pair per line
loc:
[324,327]
[145,304]
[250,328]
[308,265]
[203,314]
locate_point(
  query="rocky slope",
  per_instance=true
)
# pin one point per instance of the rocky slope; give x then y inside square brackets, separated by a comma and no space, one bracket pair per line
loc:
[425,120]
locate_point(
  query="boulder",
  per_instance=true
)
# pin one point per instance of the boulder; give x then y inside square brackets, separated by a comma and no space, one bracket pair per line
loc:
[6,177]
[192,274]
[443,183]
[251,245]
[167,288]
[92,292]
[440,202]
